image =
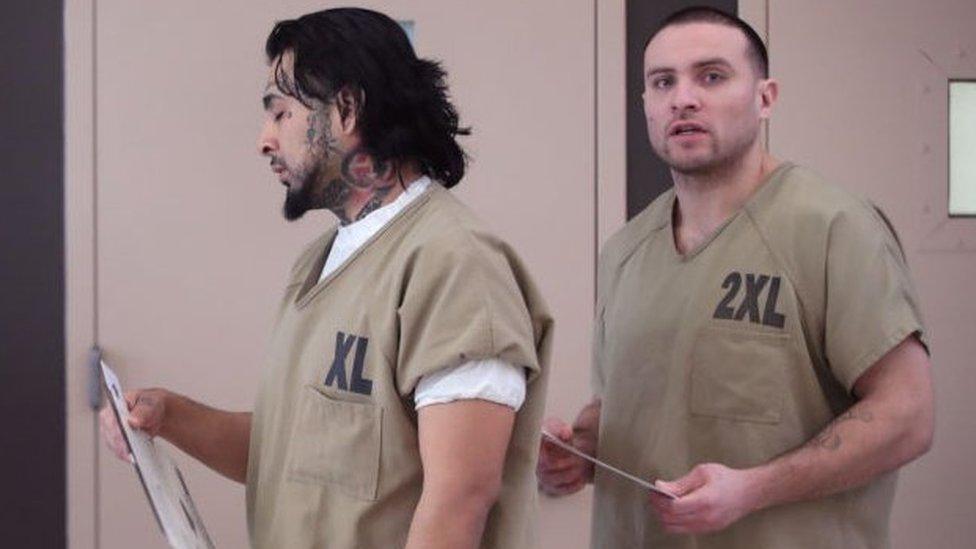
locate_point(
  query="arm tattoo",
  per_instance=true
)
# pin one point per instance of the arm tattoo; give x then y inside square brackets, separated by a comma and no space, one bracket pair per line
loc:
[829,438]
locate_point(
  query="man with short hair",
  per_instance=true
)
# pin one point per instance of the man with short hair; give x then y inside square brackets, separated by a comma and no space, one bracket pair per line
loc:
[405,378]
[757,337]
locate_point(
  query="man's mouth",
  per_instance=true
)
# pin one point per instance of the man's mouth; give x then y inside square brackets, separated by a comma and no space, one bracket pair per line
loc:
[279,170]
[686,128]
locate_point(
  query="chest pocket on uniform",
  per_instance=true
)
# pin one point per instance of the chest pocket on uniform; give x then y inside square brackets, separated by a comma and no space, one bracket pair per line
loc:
[740,375]
[337,443]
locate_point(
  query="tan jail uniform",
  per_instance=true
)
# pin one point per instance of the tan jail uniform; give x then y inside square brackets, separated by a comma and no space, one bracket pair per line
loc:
[334,458]
[741,350]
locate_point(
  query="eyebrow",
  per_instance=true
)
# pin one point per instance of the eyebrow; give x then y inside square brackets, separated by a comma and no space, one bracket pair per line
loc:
[268,98]
[697,65]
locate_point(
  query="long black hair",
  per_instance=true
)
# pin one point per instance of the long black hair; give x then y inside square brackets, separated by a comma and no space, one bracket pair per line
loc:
[404,109]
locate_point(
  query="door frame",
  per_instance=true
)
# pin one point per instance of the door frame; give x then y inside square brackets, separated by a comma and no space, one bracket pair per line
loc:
[81,281]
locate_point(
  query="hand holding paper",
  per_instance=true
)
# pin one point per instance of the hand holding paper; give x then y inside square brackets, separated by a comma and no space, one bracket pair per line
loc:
[161,479]
[560,472]
[145,410]
[710,497]
[643,483]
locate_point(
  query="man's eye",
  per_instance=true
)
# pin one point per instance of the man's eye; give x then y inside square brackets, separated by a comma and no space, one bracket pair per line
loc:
[279,116]
[662,83]
[712,77]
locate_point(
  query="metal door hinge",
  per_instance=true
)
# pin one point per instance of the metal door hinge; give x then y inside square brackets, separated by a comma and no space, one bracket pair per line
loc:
[95,378]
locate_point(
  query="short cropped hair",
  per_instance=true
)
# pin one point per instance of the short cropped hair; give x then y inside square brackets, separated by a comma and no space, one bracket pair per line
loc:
[702,14]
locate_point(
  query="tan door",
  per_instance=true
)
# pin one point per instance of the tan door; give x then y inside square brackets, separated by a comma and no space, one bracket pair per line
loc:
[864,101]
[180,251]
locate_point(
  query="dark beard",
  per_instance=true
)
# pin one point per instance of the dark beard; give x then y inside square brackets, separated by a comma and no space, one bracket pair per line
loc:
[297,202]
[305,196]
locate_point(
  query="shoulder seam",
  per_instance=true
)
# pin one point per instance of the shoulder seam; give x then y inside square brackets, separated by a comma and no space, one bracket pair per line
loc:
[800,290]
[466,234]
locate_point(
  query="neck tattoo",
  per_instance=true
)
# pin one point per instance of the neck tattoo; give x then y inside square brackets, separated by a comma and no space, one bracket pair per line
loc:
[374,203]
[359,172]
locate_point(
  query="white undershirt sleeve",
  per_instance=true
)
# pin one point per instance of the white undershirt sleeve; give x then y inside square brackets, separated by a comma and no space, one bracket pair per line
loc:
[492,380]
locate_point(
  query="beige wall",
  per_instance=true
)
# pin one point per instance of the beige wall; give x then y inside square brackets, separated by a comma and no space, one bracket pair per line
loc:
[863,101]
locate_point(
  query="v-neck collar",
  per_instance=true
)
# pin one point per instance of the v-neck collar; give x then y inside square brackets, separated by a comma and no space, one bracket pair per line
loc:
[769,182]
[691,254]
[312,286]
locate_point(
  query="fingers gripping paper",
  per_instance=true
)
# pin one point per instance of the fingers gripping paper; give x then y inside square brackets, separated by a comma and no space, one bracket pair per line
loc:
[164,485]
[636,480]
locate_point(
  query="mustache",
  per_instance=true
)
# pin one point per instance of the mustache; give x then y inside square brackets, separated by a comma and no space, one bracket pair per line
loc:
[683,116]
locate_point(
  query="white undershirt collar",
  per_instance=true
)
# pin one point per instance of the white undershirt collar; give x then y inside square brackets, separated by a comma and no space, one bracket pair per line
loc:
[351,237]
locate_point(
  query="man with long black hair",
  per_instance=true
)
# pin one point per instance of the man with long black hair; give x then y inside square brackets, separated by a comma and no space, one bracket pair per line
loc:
[406,372]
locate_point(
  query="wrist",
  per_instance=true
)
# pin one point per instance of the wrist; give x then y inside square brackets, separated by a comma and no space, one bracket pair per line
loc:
[761,487]
[166,402]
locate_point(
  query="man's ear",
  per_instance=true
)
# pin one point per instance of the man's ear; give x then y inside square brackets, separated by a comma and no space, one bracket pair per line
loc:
[349,104]
[768,93]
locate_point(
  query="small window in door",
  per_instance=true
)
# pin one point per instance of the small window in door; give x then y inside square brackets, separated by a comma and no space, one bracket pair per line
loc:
[962,148]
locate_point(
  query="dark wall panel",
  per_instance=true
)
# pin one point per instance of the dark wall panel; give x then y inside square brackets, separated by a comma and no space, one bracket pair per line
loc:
[32,452]
[647,175]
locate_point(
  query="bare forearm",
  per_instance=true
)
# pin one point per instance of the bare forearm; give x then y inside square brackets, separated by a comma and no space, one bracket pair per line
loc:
[891,424]
[860,444]
[449,521]
[217,438]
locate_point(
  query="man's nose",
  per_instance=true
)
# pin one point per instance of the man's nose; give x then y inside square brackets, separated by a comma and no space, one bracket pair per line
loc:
[267,143]
[685,97]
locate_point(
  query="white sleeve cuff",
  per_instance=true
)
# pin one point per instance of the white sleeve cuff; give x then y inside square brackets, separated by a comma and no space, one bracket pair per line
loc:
[492,380]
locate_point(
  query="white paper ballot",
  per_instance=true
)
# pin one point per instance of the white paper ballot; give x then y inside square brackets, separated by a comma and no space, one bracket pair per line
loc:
[164,485]
[639,481]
